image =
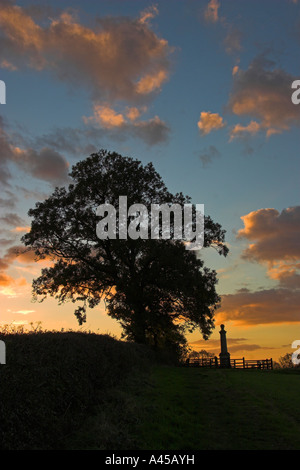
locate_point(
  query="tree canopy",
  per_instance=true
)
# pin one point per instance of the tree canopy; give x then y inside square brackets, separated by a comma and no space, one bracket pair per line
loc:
[156,289]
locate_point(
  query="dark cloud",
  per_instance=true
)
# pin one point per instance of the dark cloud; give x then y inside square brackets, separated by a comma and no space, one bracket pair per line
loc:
[71,140]
[263,92]
[233,40]
[152,132]
[266,306]
[45,164]
[31,194]
[11,219]
[9,201]
[208,155]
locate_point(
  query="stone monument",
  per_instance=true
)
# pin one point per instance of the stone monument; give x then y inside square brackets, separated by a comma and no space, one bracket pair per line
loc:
[224,354]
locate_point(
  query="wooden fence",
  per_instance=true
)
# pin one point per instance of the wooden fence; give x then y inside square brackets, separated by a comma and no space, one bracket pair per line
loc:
[233,363]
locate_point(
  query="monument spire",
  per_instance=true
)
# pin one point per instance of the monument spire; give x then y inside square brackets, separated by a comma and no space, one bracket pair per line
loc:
[224,354]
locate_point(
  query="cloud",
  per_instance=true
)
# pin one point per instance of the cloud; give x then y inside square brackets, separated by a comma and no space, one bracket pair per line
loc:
[11,219]
[275,234]
[209,155]
[24,312]
[274,243]
[107,117]
[75,141]
[209,121]
[7,65]
[263,92]
[234,345]
[22,255]
[5,154]
[31,194]
[278,305]
[273,238]
[126,60]
[10,201]
[232,35]
[240,131]
[148,14]
[9,284]
[151,82]
[126,66]
[211,14]
[8,281]
[21,229]
[286,274]
[152,131]
[45,164]
[232,40]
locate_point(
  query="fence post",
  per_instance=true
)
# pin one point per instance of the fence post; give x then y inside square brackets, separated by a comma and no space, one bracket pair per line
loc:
[243,363]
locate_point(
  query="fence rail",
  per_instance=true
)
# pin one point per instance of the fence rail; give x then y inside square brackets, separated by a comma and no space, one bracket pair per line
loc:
[232,363]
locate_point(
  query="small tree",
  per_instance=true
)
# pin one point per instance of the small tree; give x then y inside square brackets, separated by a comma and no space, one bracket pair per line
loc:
[156,289]
[285,362]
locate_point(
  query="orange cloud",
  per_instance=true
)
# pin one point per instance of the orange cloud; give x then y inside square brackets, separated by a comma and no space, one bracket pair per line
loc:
[275,235]
[279,305]
[133,113]
[252,128]
[210,121]
[9,285]
[107,117]
[211,12]
[152,131]
[21,229]
[235,69]
[118,59]
[263,92]
[275,243]
[286,274]
[7,65]
[150,83]
[22,255]
[234,345]
[148,14]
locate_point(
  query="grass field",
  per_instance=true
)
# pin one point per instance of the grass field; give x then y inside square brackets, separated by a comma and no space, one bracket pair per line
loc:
[75,391]
[180,408]
[204,409]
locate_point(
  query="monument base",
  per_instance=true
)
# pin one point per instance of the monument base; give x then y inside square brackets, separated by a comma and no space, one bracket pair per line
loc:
[225,360]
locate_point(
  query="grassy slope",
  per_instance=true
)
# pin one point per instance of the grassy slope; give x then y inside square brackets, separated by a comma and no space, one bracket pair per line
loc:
[52,382]
[220,409]
[87,391]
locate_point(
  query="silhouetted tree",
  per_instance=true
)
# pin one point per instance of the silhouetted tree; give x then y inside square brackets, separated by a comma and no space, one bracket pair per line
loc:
[201,354]
[156,289]
[285,362]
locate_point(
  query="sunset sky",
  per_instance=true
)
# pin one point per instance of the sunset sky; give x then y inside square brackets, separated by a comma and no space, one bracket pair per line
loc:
[200,88]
